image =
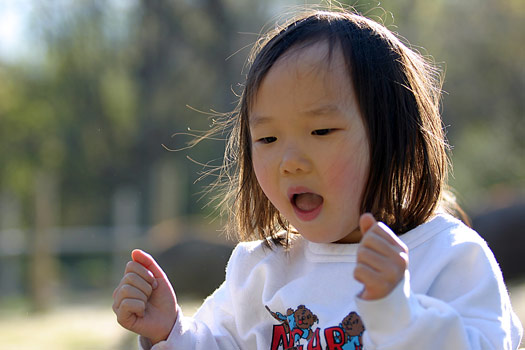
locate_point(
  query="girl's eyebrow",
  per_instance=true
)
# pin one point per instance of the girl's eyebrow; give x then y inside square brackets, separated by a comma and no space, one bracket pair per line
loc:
[323,110]
[257,120]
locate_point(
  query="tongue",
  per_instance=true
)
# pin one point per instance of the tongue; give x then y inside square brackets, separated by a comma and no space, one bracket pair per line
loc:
[308,201]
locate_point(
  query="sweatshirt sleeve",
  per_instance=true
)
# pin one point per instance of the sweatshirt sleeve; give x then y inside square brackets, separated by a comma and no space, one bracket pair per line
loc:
[466,307]
[211,328]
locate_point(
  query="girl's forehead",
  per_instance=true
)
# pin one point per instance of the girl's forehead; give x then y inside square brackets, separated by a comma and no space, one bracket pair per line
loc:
[307,80]
[312,55]
[315,67]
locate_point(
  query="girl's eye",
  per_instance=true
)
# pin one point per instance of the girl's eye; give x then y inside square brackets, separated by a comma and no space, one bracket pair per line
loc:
[322,132]
[269,139]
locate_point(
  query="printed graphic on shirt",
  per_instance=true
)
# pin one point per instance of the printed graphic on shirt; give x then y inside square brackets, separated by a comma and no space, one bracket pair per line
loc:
[295,331]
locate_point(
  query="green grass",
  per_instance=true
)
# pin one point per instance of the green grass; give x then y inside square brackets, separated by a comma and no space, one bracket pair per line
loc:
[87,324]
[80,327]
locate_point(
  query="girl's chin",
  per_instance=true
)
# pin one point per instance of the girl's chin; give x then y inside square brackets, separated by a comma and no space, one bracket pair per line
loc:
[321,237]
[315,237]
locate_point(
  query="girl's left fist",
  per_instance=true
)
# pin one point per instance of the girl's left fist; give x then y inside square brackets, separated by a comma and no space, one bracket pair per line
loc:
[382,259]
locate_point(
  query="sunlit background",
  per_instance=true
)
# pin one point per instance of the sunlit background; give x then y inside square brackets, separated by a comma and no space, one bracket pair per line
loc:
[92,93]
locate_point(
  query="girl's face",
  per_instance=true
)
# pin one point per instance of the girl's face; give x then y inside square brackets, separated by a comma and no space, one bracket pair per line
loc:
[309,145]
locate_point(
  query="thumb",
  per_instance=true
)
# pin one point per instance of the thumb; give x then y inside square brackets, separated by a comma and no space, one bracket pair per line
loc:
[366,221]
[148,262]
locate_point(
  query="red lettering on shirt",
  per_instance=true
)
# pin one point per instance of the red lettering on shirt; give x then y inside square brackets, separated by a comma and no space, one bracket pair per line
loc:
[335,338]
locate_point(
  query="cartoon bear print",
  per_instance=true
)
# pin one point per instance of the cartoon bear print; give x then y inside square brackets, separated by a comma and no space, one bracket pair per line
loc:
[301,318]
[353,328]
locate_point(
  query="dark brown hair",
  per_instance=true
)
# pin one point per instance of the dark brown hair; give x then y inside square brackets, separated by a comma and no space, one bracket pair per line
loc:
[398,93]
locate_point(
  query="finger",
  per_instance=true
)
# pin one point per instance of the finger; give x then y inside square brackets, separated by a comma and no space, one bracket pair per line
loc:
[143,272]
[380,244]
[365,274]
[374,285]
[148,262]
[388,258]
[372,258]
[129,310]
[366,221]
[138,282]
[128,292]
[390,270]
[134,279]
[384,231]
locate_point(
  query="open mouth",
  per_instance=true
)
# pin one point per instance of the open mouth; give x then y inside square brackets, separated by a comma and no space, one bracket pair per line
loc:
[307,205]
[307,201]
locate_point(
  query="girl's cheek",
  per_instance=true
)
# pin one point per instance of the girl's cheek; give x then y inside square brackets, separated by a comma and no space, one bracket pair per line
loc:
[263,176]
[347,176]
[350,172]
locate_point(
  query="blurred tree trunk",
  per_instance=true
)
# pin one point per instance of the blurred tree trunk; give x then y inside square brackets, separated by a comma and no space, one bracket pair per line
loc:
[165,41]
[155,38]
[44,266]
[12,244]
[125,212]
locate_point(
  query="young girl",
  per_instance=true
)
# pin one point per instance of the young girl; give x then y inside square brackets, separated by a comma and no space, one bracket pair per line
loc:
[339,199]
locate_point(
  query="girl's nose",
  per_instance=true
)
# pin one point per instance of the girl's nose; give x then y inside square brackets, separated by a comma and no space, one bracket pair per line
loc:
[293,162]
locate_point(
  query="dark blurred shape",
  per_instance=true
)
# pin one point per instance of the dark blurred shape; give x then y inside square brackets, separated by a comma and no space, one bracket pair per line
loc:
[195,267]
[503,230]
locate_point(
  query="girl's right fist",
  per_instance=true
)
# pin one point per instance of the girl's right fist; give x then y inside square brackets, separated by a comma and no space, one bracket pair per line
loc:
[144,300]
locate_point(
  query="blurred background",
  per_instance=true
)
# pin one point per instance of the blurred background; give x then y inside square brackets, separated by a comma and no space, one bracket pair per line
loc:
[92,93]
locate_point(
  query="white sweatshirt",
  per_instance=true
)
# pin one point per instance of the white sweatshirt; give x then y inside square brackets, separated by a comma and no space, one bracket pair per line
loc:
[452,297]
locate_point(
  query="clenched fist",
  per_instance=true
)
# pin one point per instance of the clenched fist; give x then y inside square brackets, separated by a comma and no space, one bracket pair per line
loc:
[144,300]
[382,259]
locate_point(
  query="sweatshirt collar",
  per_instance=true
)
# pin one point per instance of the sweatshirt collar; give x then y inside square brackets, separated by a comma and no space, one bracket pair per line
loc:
[336,252]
